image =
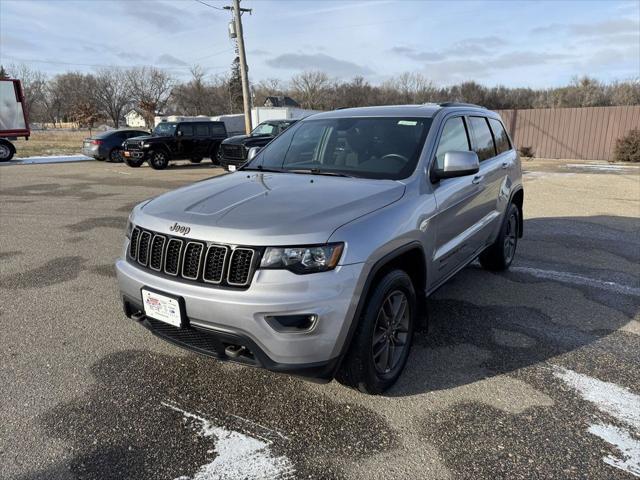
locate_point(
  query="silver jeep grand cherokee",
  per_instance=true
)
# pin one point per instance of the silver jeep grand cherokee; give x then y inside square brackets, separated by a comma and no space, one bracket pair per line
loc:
[316,257]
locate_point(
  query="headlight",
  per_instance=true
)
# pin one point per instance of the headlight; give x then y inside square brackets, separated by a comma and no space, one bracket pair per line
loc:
[306,259]
[146,145]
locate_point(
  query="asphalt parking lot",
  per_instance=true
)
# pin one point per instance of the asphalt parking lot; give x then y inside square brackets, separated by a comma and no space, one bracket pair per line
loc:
[534,373]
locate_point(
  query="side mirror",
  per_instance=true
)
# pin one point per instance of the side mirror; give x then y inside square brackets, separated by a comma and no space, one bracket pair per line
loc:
[459,164]
[179,133]
[253,151]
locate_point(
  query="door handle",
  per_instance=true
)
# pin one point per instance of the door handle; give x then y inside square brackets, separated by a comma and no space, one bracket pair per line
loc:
[477,179]
[505,164]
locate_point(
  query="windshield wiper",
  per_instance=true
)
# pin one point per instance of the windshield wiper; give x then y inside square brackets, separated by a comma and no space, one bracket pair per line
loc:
[317,171]
[260,168]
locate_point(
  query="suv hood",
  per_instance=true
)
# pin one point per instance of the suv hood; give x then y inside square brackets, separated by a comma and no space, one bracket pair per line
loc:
[260,209]
[247,140]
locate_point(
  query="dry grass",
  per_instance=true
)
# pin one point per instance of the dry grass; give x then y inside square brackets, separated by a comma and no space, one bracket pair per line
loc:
[51,142]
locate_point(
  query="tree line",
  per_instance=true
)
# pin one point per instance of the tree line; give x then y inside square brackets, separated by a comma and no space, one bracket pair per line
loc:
[108,93]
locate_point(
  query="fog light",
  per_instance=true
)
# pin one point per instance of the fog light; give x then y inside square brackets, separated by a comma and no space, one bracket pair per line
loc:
[303,322]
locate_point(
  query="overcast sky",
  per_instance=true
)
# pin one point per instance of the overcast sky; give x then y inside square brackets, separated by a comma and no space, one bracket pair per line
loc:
[516,43]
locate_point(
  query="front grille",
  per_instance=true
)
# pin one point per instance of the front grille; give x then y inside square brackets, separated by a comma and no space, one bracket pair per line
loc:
[233,151]
[192,260]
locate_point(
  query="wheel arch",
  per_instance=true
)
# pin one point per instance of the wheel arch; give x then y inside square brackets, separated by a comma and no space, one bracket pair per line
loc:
[410,258]
[517,198]
[11,146]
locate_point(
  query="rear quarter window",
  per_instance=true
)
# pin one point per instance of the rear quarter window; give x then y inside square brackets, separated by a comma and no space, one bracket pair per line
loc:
[217,129]
[202,130]
[500,136]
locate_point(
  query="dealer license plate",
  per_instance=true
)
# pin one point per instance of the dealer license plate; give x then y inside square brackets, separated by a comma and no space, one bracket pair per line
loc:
[161,307]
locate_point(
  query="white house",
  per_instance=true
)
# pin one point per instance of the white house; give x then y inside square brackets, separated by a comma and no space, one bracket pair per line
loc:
[135,119]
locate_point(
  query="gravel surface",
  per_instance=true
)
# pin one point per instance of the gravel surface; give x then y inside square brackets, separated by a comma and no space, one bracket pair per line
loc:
[534,373]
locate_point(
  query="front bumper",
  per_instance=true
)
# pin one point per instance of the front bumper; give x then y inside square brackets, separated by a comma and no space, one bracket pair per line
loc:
[220,317]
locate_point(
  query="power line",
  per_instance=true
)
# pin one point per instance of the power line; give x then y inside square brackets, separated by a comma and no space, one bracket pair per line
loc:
[210,6]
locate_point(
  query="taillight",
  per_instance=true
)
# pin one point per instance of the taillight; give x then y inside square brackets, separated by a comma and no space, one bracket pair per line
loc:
[96,142]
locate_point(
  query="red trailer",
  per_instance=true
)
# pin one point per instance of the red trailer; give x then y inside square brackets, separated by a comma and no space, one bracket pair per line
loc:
[14,122]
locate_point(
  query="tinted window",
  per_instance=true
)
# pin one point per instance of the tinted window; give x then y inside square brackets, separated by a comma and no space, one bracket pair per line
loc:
[500,136]
[217,129]
[202,130]
[482,138]
[187,130]
[362,147]
[453,139]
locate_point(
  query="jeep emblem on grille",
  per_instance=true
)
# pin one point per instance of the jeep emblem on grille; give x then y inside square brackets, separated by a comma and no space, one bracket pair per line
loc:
[176,227]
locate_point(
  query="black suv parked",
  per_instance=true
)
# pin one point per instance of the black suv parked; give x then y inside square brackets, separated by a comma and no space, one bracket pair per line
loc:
[175,141]
[233,150]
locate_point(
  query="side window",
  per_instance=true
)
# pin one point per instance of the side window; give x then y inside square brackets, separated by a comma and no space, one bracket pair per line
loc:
[187,130]
[453,139]
[482,138]
[202,130]
[217,129]
[500,136]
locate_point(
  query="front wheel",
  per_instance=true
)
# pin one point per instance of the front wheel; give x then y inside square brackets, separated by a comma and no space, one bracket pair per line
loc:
[215,155]
[159,160]
[6,151]
[115,155]
[502,252]
[380,347]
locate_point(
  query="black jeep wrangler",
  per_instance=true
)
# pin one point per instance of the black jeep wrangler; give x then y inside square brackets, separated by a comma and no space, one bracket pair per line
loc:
[233,150]
[175,141]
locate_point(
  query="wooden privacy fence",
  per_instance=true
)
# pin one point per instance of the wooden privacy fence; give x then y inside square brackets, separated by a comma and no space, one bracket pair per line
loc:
[587,133]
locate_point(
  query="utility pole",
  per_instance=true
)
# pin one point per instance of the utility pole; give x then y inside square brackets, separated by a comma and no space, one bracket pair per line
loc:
[246,94]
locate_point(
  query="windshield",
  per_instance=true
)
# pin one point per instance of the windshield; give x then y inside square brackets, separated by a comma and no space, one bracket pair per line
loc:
[384,148]
[165,129]
[265,129]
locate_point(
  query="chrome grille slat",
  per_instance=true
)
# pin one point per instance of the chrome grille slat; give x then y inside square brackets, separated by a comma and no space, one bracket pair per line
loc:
[157,252]
[133,243]
[215,262]
[143,247]
[240,267]
[172,257]
[191,260]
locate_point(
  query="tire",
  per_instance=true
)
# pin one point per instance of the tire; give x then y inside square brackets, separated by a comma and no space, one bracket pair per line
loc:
[115,156]
[6,151]
[373,363]
[133,162]
[501,253]
[196,160]
[158,159]
[215,155]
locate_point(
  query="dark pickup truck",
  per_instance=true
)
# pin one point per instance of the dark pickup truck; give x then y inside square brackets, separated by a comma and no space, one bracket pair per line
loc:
[192,140]
[233,150]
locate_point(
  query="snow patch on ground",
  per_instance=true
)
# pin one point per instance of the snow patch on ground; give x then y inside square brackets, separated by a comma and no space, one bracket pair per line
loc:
[578,280]
[621,404]
[605,167]
[237,455]
[51,159]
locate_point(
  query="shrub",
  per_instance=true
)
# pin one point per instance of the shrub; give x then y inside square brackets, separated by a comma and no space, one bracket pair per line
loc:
[628,147]
[526,152]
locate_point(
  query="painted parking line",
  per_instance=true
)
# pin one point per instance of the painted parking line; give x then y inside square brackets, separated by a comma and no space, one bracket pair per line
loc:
[237,455]
[617,402]
[576,279]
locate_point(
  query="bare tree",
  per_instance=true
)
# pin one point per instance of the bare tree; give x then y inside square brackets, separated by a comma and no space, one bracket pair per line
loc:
[151,90]
[311,88]
[112,93]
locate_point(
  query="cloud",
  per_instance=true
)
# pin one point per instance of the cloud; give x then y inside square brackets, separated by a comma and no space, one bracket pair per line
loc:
[258,52]
[166,59]
[163,16]
[468,47]
[319,61]
[594,29]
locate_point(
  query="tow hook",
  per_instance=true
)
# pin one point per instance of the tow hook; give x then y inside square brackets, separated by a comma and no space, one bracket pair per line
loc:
[137,316]
[234,351]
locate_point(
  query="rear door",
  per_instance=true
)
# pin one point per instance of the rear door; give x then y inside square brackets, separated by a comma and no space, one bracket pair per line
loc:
[491,174]
[202,140]
[459,212]
[185,141]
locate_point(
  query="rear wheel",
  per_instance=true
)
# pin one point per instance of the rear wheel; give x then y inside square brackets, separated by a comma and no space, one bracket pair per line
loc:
[133,162]
[215,155]
[381,345]
[115,156]
[500,255]
[6,151]
[158,159]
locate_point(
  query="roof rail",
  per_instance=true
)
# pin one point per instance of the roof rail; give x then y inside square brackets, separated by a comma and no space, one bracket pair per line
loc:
[460,104]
